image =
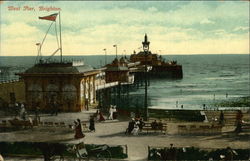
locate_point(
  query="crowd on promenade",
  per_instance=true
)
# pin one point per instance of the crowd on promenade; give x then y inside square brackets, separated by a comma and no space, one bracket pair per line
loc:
[98,116]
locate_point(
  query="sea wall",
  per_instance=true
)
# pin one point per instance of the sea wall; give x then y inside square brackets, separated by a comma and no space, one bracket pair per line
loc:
[12,91]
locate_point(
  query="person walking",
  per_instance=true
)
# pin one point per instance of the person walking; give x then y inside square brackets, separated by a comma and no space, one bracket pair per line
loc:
[229,154]
[221,121]
[142,123]
[78,129]
[130,126]
[37,110]
[101,117]
[111,113]
[92,124]
[239,117]
[172,155]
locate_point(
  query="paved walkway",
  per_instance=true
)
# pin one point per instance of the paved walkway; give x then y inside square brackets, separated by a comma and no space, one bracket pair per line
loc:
[112,132]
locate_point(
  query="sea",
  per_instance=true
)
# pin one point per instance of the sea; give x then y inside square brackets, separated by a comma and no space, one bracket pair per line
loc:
[206,78]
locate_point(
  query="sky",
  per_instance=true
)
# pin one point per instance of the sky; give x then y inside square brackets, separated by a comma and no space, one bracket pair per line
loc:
[173,27]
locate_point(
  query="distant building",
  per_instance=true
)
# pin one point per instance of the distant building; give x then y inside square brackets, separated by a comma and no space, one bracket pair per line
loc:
[118,71]
[160,67]
[66,86]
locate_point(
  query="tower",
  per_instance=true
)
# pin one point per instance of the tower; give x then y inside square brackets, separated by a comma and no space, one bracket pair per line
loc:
[145,44]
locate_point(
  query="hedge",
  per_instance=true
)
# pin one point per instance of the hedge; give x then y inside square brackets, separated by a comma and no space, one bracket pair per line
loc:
[36,148]
[193,153]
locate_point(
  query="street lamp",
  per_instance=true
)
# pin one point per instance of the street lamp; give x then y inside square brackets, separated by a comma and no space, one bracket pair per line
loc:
[146,49]
[39,55]
[38,48]
[105,50]
[115,50]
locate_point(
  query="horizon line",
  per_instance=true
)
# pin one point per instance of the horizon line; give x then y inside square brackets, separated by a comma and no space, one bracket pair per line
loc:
[130,54]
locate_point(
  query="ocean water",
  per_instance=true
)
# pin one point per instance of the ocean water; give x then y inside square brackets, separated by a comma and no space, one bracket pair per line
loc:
[206,79]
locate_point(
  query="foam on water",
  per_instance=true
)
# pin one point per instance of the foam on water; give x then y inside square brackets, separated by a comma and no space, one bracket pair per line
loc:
[204,77]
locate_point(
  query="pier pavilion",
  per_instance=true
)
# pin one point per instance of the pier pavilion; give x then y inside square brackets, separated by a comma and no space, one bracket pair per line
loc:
[118,71]
[65,86]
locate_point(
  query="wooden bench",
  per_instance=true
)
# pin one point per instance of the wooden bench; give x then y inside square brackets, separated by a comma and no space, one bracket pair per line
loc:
[50,124]
[62,124]
[147,127]
[3,124]
[245,126]
[21,123]
[182,129]
[199,129]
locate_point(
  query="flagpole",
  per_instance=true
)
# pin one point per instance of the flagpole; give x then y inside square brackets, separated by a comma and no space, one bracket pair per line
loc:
[60,35]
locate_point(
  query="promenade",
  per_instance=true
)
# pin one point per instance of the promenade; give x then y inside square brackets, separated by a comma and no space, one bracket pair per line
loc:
[111,132]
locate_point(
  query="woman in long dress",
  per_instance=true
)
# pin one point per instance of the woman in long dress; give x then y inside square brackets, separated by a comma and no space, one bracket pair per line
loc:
[101,118]
[78,130]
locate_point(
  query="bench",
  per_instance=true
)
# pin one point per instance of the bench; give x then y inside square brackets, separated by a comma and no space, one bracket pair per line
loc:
[21,123]
[62,124]
[3,124]
[199,129]
[182,129]
[147,127]
[245,126]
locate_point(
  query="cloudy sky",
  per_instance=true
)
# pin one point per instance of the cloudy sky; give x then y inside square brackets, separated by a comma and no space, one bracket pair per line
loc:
[177,27]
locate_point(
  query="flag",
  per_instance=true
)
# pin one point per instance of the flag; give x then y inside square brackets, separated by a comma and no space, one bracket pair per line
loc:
[50,17]
[37,43]
[104,49]
[114,45]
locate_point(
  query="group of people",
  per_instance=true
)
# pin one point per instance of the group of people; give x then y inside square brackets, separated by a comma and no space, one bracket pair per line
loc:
[134,126]
[78,127]
[169,153]
[20,110]
[112,114]
[157,125]
[97,116]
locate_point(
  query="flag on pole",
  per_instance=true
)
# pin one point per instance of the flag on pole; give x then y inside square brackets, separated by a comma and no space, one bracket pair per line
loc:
[37,43]
[50,17]
[104,49]
[114,45]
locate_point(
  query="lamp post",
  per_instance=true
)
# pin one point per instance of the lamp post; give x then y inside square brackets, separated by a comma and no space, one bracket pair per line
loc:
[39,55]
[105,50]
[115,50]
[38,48]
[146,49]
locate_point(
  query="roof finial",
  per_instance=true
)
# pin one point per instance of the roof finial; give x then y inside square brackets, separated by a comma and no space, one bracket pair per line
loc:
[146,38]
[145,43]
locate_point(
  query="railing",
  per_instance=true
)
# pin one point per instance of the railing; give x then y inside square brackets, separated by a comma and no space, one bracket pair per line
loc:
[106,85]
[9,81]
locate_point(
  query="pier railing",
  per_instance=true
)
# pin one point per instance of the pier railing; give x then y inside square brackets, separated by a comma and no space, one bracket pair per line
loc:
[106,85]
